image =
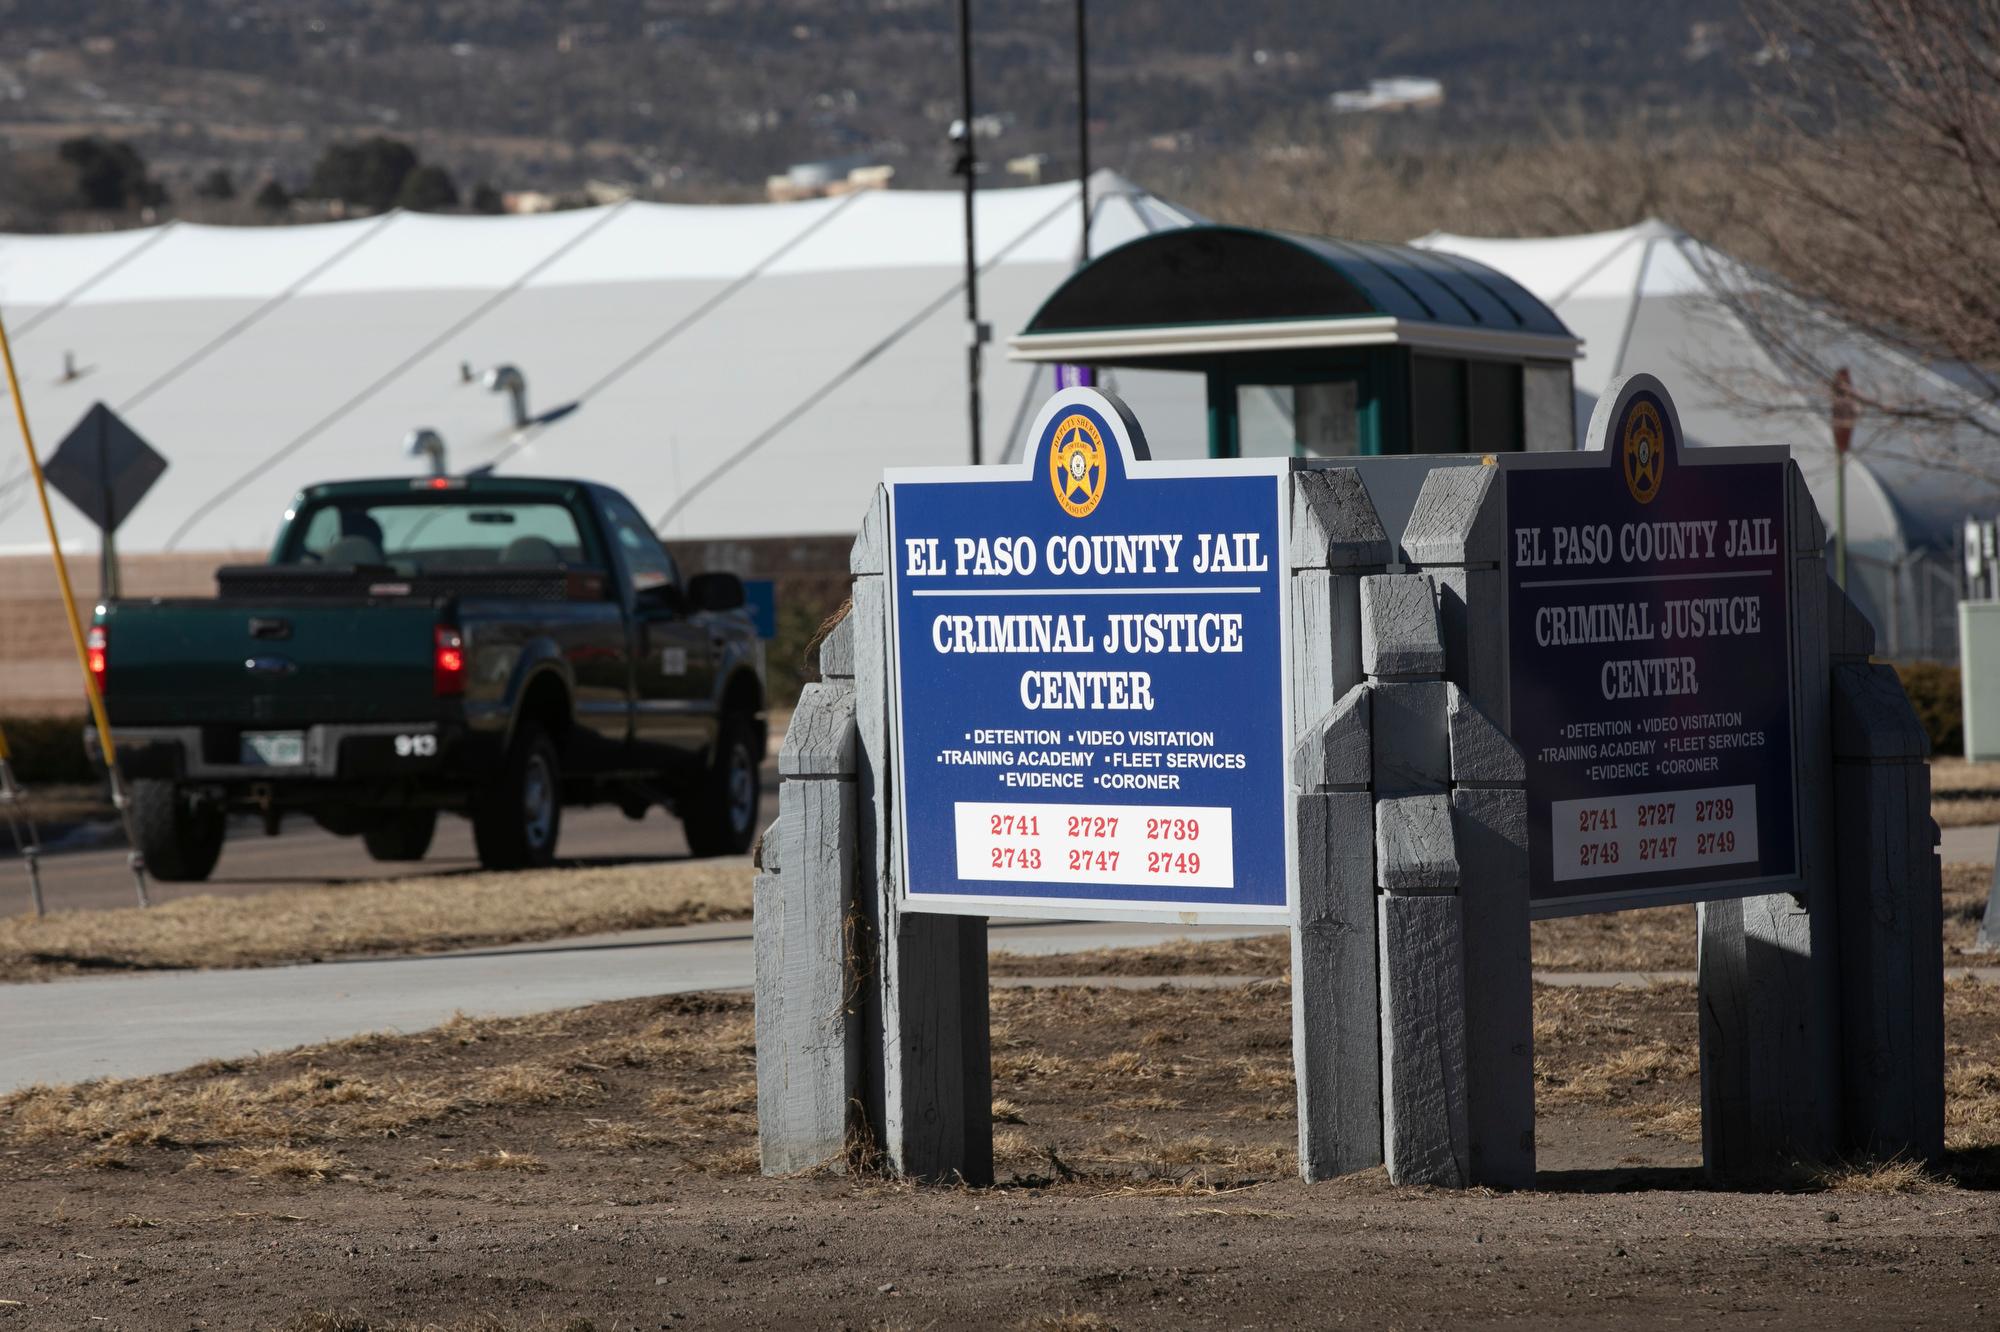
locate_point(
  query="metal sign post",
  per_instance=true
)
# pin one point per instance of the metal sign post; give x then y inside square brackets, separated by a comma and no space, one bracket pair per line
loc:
[21,825]
[35,472]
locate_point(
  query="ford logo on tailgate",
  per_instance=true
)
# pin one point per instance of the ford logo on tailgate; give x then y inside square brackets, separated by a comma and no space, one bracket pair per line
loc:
[270,666]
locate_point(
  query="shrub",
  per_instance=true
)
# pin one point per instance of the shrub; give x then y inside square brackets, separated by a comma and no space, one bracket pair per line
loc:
[1934,692]
[47,750]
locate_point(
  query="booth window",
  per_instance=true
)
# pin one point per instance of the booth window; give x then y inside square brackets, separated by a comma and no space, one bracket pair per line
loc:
[1299,420]
[1465,406]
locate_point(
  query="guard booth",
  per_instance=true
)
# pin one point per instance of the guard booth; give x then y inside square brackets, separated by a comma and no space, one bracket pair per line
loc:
[1321,348]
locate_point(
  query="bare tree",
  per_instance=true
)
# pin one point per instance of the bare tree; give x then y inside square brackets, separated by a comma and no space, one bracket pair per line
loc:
[1878,180]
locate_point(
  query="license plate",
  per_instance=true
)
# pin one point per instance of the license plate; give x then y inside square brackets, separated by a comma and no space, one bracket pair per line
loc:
[274,749]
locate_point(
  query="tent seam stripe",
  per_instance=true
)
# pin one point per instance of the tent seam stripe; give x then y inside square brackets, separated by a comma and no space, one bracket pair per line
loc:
[229,334]
[68,298]
[689,320]
[1596,268]
[395,372]
[827,389]
[1632,315]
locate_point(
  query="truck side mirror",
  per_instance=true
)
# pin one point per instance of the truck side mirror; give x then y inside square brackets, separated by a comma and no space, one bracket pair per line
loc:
[660,597]
[716,592]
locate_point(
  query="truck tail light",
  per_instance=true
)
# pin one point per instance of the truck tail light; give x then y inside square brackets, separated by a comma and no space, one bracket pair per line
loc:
[97,655]
[448,662]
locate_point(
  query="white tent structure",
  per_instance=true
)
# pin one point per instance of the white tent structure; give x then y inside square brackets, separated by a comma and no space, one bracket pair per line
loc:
[1652,298]
[740,371]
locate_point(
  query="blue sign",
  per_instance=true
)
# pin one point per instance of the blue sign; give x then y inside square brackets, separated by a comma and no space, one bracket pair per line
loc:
[1075,376]
[1650,662]
[760,598]
[1091,695]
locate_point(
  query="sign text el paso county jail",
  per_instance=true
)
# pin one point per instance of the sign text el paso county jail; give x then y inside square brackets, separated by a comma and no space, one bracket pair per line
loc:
[1650,661]
[1089,655]
[1111,639]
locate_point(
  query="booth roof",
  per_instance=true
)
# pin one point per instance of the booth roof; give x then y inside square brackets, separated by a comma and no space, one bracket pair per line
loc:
[1204,289]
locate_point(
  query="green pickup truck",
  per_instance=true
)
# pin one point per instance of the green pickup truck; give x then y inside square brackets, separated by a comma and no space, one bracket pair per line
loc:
[492,647]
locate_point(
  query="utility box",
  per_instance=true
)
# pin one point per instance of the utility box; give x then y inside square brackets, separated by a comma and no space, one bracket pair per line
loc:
[1979,676]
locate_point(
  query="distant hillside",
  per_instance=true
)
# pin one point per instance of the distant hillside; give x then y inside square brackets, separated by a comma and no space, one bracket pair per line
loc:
[705,98]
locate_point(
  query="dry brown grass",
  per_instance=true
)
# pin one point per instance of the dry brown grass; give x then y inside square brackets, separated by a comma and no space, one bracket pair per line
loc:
[1972,1067]
[1260,955]
[1609,1049]
[500,1160]
[1964,794]
[1165,1116]
[1664,938]
[271,1162]
[1656,939]
[1086,1103]
[1955,775]
[293,1114]
[1068,1322]
[1965,889]
[1966,811]
[67,803]
[416,915]
[1892,1176]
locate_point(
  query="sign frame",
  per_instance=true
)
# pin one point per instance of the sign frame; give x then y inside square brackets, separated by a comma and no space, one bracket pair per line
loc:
[1130,441]
[1604,420]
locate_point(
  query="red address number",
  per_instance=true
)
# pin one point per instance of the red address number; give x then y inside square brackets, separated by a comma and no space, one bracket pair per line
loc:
[1017,857]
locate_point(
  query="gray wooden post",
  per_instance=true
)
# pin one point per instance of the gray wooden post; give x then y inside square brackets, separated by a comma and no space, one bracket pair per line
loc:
[1455,535]
[808,1038]
[927,1066]
[1336,537]
[1419,926]
[1769,970]
[1891,909]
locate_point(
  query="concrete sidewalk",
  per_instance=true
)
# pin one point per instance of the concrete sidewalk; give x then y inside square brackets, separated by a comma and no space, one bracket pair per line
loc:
[123,1026]
[1968,846]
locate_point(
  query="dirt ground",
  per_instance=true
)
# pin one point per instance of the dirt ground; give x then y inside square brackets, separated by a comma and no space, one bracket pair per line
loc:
[596,1168]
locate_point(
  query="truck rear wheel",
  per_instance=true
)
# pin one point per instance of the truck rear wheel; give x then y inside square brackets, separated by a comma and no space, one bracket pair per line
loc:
[518,818]
[403,835]
[720,816]
[179,836]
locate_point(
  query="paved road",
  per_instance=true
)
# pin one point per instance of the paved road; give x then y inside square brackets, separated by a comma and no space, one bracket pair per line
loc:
[95,876]
[68,1030]
[1969,846]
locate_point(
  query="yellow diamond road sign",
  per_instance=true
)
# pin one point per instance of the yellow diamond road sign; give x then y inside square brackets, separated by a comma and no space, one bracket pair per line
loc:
[103,467]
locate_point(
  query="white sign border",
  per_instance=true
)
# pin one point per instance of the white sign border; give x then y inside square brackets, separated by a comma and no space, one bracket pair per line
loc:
[1140,465]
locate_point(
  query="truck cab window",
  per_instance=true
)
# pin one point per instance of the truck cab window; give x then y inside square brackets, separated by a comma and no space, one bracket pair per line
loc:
[645,558]
[433,533]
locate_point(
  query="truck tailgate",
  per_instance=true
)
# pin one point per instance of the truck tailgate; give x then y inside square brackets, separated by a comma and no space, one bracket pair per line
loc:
[172,662]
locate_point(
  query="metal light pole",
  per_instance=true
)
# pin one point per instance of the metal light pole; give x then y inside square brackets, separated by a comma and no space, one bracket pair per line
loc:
[1083,126]
[1843,436]
[968,167]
